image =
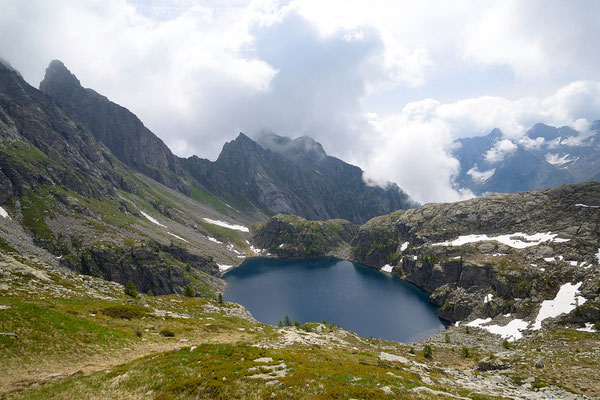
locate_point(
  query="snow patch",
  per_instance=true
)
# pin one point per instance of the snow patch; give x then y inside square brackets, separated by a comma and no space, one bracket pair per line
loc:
[480,176]
[226,225]
[516,240]
[589,327]
[598,256]
[224,267]
[488,298]
[178,237]
[258,251]
[565,301]
[476,323]
[281,245]
[586,206]
[511,331]
[387,268]
[149,218]
[3,213]
[212,239]
[404,246]
[556,159]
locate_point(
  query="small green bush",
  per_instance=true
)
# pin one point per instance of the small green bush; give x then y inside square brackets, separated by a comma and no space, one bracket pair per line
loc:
[597,326]
[167,333]
[287,321]
[446,338]
[138,333]
[220,298]
[130,289]
[506,344]
[297,324]
[189,292]
[427,351]
[464,352]
[124,311]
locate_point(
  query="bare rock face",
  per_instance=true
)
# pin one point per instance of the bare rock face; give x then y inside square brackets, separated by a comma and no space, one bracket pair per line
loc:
[115,126]
[491,364]
[294,177]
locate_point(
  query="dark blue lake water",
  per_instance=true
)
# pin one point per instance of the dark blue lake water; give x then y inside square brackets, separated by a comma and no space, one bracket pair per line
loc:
[353,296]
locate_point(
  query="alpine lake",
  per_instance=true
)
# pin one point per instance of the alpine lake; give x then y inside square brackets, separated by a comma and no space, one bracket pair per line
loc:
[353,296]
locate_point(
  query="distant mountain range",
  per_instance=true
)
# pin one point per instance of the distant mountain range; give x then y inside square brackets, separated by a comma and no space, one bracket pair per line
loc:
[545,156]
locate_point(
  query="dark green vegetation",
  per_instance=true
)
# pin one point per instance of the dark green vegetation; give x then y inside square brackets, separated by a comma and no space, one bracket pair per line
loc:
[301,238]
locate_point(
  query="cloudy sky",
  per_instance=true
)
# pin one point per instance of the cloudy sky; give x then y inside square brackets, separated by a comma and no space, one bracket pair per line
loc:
[384,85]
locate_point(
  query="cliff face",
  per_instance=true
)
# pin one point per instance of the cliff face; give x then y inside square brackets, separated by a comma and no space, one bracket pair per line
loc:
[485,257]
[114,126]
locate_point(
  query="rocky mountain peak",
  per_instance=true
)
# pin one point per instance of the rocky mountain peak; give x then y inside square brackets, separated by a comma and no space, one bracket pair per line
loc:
[58,76]
[299,149]
[543,131]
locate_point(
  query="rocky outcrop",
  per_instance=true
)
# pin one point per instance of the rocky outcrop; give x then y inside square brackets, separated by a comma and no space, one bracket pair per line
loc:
[294,237]
[156,268]
[504,270]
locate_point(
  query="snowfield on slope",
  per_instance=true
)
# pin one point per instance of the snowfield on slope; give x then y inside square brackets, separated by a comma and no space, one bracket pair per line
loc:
[3,213]
[226,225]
[511,331]
[224,267]
[177,237]
[516,240]
[149,218]
[565,301]
[387,268]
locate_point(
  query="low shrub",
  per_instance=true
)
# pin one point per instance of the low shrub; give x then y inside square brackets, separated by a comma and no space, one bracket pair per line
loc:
[167,333]
[124,311]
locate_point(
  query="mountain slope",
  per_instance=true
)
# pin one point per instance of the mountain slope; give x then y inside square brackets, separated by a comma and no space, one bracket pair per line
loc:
[545,156]
[70,201]
[115,126]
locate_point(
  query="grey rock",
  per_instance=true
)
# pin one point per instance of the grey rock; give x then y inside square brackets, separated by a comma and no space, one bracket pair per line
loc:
[491,364]
[539,363]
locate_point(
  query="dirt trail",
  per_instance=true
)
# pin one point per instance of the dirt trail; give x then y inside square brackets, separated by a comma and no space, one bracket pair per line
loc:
[48,370]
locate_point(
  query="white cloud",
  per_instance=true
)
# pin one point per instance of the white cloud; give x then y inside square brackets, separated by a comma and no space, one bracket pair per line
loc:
[413,147]
[500,150]
[199,72]
[413,153]
[530,143]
